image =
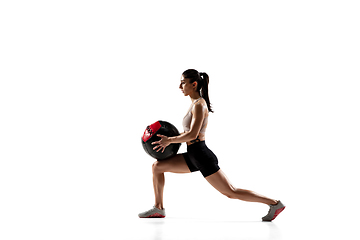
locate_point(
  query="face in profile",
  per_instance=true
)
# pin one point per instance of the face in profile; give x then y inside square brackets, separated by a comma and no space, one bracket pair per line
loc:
[186,87]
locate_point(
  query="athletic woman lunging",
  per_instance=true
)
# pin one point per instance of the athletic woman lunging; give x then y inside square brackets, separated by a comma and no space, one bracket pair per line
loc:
[198,156]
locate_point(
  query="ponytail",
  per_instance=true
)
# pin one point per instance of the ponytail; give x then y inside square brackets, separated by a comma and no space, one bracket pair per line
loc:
[204,91]
[203,84]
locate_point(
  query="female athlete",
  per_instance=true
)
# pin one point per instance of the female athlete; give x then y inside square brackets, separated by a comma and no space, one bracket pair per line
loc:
[198,156]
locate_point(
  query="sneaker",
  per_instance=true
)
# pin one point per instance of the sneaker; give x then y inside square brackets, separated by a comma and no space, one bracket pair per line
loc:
[274,211]
[153,213]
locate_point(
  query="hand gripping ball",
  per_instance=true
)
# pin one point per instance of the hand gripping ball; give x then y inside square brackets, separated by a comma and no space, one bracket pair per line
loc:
[150,135]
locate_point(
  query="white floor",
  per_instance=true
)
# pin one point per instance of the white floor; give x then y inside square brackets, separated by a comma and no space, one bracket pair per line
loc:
[180,228]
[172,228]
[192,228]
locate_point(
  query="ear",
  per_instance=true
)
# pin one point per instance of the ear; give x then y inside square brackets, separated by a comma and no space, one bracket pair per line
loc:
[195,84]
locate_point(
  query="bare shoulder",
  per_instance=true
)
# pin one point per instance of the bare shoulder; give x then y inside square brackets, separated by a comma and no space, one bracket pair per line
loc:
[200,107]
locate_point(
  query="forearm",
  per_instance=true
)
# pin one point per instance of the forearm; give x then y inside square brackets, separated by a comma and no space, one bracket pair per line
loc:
[183,137]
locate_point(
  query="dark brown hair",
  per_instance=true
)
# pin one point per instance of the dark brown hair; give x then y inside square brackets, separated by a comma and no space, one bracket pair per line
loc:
[202,80]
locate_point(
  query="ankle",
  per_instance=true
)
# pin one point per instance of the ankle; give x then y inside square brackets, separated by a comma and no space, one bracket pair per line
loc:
[159,207]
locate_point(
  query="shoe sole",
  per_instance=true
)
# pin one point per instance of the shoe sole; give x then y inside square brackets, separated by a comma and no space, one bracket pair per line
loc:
[277,212]
[155,215]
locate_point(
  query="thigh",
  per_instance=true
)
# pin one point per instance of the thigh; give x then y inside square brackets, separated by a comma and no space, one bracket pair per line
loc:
[205,160]
[175,164]
[220,182]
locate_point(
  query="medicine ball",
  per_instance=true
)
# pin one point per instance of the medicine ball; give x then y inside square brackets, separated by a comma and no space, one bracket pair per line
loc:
[150,135]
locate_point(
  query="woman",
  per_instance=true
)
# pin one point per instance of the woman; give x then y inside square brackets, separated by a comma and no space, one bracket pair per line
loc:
[199,157]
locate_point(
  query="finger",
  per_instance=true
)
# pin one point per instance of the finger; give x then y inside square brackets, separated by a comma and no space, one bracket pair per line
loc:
[159,149]
[157,142]
[156,147]
[159,135]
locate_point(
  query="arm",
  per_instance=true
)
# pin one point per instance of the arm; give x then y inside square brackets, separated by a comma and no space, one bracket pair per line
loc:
[196,122]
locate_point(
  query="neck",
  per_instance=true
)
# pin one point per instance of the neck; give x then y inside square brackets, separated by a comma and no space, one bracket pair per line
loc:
[194,96]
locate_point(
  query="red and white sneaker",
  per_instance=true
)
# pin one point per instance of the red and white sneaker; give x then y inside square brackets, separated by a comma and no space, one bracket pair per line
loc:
[274,211]
[153,213]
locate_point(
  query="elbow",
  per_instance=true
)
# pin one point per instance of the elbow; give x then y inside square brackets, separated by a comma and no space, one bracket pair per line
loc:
[193,136]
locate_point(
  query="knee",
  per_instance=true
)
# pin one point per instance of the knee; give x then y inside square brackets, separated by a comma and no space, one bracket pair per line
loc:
[230,193]
[156,167]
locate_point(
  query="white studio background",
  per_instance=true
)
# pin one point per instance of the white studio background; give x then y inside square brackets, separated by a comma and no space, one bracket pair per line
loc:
[80,81]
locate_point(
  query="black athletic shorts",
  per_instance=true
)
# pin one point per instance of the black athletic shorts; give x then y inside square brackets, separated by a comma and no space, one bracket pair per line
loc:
[200,157]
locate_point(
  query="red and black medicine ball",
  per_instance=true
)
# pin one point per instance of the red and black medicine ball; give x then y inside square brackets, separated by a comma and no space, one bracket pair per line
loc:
[150,135]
